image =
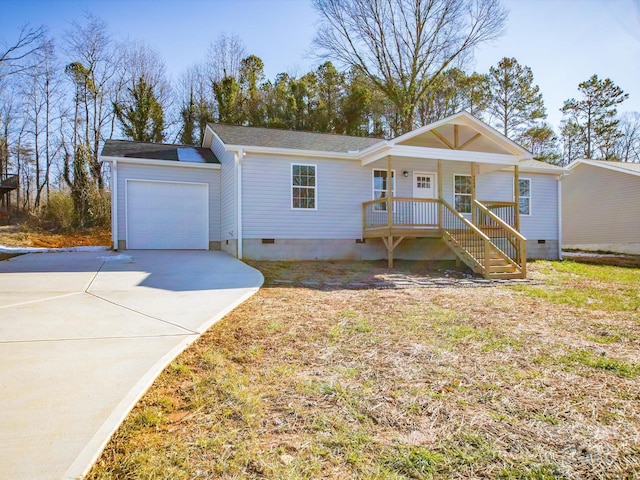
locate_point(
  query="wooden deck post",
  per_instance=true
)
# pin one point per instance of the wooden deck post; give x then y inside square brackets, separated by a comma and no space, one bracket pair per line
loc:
[389,194]
[516,196]
[474,220]
[439,180]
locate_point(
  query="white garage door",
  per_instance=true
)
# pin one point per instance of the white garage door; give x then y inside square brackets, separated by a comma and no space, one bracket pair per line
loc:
[167,215]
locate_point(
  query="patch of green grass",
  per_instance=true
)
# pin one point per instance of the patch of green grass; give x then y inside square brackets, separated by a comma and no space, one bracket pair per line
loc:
[530,472]
[582,285]
[412,462]
[599,362]
[7,256]
[148,417]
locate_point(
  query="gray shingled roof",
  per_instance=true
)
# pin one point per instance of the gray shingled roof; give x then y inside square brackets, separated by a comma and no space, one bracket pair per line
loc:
[158,151]
[633,167]
[275,138]
[538,165]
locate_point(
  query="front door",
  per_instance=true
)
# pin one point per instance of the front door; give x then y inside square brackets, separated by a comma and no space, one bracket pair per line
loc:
[424,186]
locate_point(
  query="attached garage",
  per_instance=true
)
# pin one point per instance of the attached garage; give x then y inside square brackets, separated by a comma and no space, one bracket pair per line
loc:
[164,196]
[167,215]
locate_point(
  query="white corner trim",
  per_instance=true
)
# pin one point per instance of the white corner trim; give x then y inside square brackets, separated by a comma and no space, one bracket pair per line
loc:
[114,204]
[238,161]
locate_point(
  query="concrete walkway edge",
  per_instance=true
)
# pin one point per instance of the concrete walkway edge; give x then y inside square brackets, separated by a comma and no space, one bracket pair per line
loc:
[92,451]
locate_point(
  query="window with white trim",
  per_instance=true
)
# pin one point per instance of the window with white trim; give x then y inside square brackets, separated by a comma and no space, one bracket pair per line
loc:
[380,187]
[462,193]
[303,187]
[524,196]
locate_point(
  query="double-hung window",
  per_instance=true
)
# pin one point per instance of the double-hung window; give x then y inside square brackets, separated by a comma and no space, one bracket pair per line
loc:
[462,193]
[524,196]
[303,187]
[380,187]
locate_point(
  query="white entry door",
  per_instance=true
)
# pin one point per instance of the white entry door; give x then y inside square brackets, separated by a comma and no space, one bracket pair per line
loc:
[424,186]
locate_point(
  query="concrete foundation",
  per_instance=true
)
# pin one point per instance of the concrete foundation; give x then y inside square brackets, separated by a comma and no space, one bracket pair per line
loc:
[537,250]
[344,249]
[625,248]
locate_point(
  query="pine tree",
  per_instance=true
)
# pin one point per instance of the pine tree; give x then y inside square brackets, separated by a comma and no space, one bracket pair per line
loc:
[141,117]
[188,115]
[595,116]
[515,102]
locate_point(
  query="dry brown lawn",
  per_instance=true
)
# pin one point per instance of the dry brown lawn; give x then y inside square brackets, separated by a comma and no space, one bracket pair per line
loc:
[531,381]
[23,236]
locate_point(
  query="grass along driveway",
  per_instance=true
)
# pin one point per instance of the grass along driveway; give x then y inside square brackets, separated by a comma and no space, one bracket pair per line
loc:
[529,381]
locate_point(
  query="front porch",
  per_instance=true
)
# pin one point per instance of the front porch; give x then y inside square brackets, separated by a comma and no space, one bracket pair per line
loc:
[489,243]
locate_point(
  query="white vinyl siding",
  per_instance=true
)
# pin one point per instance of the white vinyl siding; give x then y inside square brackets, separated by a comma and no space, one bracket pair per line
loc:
[462,193]
[345,185]
[341,186]
[542,223]
[228,191]
[304,187]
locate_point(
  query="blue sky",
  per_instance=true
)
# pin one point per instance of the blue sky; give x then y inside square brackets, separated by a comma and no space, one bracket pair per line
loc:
[563,41]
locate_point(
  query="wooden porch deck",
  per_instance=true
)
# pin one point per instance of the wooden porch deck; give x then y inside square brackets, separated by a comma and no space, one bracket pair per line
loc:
[489,244]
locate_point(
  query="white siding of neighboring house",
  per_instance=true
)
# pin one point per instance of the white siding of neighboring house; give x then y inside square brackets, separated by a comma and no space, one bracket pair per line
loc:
[170,174]
[601,210]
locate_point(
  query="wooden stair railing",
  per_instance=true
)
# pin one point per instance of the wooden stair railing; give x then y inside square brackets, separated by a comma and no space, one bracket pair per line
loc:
[504,236]
[475,248]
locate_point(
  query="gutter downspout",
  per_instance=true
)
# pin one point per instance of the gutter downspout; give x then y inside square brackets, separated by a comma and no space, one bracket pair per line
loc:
[114,204]
[239,157]
[560,216]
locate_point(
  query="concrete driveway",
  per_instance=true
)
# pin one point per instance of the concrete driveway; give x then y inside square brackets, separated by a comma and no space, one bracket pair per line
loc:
[84,334]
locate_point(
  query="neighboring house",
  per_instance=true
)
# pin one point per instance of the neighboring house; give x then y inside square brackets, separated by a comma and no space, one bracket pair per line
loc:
[601,206]
[289,195]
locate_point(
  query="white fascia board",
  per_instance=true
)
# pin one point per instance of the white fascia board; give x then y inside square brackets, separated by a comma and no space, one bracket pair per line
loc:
[162,163]
[291,152]
[207,133]
[466,119]
[443,154]
[614,166]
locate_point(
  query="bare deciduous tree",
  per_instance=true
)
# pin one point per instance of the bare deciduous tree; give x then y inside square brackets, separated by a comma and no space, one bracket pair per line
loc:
[401,46]
[224,57]
[90,49]
[628,145]
[13,58]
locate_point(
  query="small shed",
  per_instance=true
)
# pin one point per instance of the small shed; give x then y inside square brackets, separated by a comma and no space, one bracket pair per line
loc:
[601,206]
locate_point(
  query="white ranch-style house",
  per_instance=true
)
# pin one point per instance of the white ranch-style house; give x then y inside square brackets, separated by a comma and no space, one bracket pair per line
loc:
[454,188]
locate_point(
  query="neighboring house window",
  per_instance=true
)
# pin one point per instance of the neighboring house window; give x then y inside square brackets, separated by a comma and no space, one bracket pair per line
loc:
[524,196]
[303,186]
[462,193]
[380,187]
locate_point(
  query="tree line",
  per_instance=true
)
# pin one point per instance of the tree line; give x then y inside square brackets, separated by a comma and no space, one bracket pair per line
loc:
[384,68]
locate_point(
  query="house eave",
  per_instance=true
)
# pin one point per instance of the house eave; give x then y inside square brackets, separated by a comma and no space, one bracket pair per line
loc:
[162,163]
[612,166]
[442,154]
[291,152]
